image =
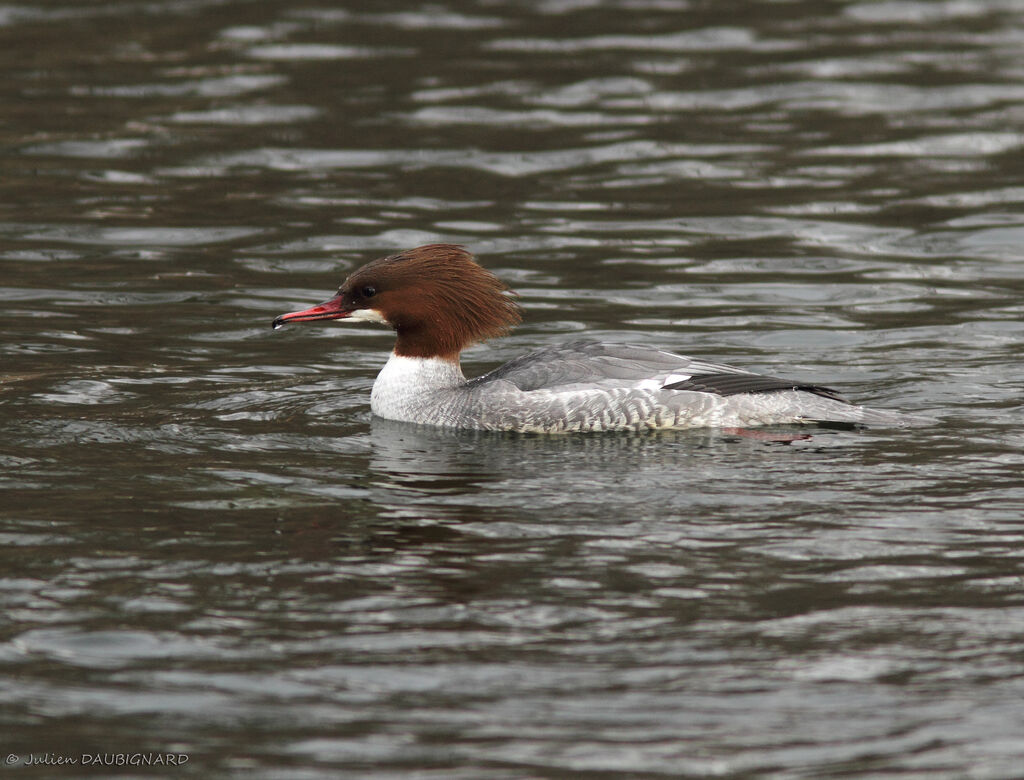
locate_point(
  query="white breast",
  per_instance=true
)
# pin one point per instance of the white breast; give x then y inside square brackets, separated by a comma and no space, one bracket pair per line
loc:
[406,387]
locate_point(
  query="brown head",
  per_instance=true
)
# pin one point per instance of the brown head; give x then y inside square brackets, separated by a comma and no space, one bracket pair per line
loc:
[436,297]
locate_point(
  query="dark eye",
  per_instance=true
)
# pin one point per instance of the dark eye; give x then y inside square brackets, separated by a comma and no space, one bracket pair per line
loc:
[368,291]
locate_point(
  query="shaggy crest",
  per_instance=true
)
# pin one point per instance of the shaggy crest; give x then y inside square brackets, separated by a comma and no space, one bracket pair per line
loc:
[436,297]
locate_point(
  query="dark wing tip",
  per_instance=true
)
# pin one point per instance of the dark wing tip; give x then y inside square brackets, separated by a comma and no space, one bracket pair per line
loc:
[737,384]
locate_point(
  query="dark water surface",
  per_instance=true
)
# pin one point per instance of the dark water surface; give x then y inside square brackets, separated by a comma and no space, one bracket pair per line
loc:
[210,548]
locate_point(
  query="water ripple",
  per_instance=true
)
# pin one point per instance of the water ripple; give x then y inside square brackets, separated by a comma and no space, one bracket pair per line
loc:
[211,543]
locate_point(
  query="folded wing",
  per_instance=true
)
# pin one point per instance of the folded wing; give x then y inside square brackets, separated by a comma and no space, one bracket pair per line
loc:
[593,364]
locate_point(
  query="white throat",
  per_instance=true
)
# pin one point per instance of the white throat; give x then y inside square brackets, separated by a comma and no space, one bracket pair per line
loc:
[367,315]
[409,386]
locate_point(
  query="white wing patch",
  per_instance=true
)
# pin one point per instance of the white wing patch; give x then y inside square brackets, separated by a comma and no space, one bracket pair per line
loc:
[671,379]
[654,384]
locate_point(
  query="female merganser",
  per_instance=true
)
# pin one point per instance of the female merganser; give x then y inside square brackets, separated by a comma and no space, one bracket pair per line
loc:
[439,301]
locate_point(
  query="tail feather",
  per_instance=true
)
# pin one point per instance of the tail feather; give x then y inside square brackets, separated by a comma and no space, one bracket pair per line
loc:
[863,415]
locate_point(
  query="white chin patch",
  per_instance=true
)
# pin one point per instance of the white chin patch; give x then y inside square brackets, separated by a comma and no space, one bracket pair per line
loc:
[367,315]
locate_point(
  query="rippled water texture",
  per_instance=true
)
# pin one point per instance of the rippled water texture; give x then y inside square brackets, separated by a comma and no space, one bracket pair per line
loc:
[211,549]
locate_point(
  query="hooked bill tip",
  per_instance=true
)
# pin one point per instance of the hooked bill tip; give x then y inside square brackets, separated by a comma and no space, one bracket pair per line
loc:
[278,323]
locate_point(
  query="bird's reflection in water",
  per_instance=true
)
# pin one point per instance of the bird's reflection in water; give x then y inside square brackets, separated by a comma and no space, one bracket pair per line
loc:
[413,466]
